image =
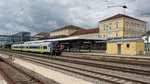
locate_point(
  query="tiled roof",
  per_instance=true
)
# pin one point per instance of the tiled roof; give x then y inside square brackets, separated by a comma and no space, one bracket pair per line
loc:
[42,34]
[119,16]
[87,31]
[69,27]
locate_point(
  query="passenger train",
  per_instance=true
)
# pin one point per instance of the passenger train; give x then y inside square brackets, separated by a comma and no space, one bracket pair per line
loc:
[41,47]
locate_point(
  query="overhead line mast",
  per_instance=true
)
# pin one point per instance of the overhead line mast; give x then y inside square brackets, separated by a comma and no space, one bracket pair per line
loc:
[123,6]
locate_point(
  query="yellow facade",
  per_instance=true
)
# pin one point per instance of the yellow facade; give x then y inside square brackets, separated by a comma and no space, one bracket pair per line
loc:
[128,48]
[89,35]
[66,32]
[122,27]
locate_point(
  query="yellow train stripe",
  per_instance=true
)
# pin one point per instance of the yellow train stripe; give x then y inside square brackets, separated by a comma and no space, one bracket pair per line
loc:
[32,50]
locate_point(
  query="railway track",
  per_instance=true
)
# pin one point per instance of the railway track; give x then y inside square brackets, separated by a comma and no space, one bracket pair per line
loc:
[100,62]
[97,76]
[120,61]
[15,75]
[90,73]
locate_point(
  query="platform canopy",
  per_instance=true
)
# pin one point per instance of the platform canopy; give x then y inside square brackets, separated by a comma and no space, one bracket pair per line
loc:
[71,39]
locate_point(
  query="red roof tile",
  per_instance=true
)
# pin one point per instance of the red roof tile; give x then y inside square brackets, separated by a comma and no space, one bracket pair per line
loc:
[69,27]
[45,34]
[119,16]
[87,31]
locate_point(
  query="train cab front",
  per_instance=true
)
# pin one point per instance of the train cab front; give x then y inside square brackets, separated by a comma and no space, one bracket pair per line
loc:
[56,49]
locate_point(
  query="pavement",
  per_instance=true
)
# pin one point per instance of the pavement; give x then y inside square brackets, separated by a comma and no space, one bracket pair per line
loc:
[2,81]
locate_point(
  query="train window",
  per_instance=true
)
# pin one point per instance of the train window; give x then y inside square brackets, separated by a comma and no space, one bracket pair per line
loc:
[22,47]
[44,47]
[35,47]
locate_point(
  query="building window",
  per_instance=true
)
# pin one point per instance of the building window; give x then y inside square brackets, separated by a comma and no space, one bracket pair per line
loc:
[142,28]
[110,34]
[139,27]
[116,34]
[132,27]
[135,27]
[127,35]
[131,34]
[103,27]
[127,45]
[127,26]
[117,25]
[110,27]
[104,36]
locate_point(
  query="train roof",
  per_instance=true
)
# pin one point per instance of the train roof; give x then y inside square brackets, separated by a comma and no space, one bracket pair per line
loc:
[42,43]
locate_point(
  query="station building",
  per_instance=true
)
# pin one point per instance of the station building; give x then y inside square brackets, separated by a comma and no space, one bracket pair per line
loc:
[42,34]
[119,34]
[65,31]
[121,26]
[83,44]
[91,33]
[129,46]
[94,32]
[124,34]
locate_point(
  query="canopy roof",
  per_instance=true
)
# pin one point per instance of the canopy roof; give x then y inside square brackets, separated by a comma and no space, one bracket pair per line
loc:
[69,39]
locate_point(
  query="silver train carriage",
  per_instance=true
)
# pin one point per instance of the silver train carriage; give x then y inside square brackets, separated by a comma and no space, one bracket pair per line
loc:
[42,47]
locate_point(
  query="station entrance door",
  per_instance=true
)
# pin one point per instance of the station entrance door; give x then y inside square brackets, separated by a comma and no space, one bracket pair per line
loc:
[118,48]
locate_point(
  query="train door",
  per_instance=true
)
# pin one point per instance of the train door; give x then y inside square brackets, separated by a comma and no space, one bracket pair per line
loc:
[50,48]
[25,48]
[41,47]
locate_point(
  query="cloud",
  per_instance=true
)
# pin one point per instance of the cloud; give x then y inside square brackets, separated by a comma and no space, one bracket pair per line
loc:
[48,15]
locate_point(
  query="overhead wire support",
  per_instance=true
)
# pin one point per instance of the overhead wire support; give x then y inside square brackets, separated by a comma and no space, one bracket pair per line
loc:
[145,13]
[22,9]
[79,17]
[123,6]
[113,6]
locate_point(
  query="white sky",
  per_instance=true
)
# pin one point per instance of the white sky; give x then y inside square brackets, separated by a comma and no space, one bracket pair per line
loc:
[48,15]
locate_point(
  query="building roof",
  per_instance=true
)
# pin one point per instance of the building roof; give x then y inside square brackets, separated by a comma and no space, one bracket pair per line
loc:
[69,27]
[126,40]
[87,31]
[69,39]
[119,16]
[45,34]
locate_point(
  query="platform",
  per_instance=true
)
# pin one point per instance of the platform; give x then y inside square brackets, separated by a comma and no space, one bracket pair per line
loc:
[142,57]
[2,80]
